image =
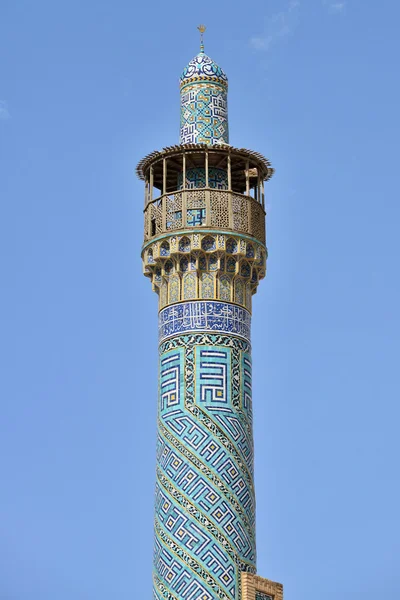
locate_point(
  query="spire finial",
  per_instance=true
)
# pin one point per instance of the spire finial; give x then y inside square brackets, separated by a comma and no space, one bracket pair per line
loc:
[202,29]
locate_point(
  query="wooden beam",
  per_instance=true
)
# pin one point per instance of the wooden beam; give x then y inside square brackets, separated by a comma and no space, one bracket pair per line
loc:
[164,187]
[190,162]
[174,164]
[221,162]
[151,183]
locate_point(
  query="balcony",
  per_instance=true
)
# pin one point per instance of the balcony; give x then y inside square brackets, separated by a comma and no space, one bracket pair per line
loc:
[204,208]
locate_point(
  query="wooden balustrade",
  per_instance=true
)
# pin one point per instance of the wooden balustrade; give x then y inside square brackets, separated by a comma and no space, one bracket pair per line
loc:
[204,207]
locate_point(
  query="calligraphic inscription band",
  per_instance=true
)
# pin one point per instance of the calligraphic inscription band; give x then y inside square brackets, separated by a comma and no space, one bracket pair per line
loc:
[206,316]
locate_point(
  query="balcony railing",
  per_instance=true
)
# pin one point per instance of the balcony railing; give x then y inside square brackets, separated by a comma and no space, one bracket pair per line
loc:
[205,207]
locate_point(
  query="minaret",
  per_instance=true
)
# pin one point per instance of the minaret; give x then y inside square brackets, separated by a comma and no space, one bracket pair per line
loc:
[204,251]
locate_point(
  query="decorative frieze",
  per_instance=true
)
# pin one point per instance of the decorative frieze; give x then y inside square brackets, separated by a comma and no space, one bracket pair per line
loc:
[205,266]
[205,316]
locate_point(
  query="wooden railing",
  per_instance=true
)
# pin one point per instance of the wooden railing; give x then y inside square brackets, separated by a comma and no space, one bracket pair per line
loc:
[205,207]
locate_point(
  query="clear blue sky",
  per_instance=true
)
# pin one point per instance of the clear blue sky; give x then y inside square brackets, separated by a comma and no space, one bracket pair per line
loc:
[88,88]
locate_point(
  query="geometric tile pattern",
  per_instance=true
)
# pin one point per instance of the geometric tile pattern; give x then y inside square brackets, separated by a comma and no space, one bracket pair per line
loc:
[246,385]
[171,376]
[261,596]
[213,374]
[206,316]
[204,114]
[204,102]
[204,505]
[196,178]
[196,217]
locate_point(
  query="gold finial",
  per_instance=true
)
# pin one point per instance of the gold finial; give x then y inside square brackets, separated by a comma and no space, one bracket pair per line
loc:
[202,29]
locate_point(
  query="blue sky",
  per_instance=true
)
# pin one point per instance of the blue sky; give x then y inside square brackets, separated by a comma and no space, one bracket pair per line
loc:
[88,88]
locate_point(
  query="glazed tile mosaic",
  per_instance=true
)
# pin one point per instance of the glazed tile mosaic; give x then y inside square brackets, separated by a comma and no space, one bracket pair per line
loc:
[204,114]
[205,506]
[202,67]
[204,102]
[196,178]
[205,316]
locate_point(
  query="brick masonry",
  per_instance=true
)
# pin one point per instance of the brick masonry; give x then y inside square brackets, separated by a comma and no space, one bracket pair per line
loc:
[251,584]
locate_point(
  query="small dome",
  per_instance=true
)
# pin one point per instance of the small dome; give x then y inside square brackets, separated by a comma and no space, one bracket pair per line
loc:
[203,68]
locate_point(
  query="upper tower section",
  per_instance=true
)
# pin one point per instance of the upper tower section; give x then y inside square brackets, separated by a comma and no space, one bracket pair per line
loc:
[204,201]
[204,101]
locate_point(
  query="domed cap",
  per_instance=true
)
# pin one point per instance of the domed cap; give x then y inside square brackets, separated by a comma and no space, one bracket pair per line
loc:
[203,68]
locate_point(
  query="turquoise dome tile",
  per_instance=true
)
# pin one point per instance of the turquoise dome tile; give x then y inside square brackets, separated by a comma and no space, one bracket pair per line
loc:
[203,67]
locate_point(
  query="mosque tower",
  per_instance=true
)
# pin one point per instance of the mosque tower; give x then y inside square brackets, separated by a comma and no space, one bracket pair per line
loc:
[204,252]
